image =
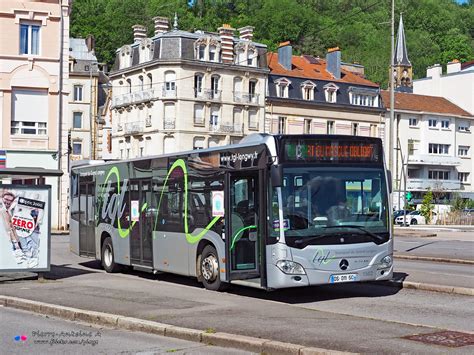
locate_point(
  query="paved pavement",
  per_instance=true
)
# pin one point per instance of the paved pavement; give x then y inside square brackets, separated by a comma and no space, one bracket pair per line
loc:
[350,317]
[436,247]
[27,333]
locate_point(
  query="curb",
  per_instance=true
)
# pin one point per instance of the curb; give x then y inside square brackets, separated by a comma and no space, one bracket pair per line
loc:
[430,258]
[221,339]
[434,288]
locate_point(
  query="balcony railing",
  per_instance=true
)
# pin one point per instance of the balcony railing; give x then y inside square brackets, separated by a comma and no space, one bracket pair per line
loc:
[435,185]
[429,159]
[199,121]
[134,97]
[227,128]
[132,128]
[169,93]
[169,123]
[208,94]
[117,128]
[245,98]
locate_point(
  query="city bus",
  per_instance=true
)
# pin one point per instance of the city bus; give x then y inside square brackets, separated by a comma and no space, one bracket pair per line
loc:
[274,211]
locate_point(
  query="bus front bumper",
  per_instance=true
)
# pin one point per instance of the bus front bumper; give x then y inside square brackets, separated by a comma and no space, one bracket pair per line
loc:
[278,279]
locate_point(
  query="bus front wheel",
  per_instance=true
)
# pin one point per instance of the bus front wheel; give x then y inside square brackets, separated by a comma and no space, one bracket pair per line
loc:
[108,261]
[209,268]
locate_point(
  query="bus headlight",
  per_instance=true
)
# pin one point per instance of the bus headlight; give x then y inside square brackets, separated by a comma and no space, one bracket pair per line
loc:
[290,267]
[386,261]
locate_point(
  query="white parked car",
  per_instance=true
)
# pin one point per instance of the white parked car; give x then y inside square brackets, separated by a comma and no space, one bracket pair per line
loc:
[414,218]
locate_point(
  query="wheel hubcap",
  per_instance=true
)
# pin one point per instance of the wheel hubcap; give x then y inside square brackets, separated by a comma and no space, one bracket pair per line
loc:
[108,256]
[209,268]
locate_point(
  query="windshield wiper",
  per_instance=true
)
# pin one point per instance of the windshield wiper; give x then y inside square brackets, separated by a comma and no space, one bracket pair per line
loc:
[305,241]
[377,239]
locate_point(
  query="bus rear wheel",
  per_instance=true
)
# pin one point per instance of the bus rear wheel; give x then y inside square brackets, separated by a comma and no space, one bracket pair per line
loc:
[108,261]
[209,268]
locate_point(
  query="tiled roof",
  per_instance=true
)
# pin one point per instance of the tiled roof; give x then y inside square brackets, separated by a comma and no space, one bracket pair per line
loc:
[422,103]
[466,65]
[302,68]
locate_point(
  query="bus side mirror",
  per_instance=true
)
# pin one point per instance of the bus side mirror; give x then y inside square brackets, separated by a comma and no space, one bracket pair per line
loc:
[389,178]
[276,173]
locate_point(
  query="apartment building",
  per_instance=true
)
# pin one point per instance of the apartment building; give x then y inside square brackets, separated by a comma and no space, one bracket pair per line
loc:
[435,140]
[457,84]
[308,94]
[180,90]
[33,71]
[82,105]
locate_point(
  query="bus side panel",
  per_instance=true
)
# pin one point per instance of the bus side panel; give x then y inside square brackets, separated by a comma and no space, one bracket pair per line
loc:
[74,236]
[218,243]
[121,245]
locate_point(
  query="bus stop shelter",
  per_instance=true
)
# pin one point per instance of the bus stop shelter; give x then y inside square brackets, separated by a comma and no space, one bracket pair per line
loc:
[25,220]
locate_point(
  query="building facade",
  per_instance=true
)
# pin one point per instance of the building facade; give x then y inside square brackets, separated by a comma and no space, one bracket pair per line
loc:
[316,96]
[434,149]
[82,105]
[457,85]
[180,90]
[33,92]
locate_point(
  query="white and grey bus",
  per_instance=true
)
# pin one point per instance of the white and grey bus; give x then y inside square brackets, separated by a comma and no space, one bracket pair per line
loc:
[273,211]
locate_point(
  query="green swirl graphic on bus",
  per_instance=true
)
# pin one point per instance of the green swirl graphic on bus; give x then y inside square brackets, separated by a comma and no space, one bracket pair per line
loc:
[113,205]
[192,239]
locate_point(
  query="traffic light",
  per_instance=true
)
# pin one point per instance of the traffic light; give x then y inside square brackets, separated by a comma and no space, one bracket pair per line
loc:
[408,196]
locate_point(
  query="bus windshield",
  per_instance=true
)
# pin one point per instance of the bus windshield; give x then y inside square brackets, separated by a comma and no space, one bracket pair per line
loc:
[321,205]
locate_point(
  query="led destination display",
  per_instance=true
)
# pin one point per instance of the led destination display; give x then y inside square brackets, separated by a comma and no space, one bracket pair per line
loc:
[329,150]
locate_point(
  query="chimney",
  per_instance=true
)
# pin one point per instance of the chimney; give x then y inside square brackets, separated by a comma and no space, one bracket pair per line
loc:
[453,67]
[161,24]
[246,33]
[139,33]
[90,43]
[285,54]
[333,62]
[434,71]
[226,34]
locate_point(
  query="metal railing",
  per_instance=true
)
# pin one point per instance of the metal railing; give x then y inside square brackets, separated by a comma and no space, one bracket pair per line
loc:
[245,97]
[134,97]
[208,94]
[169,93]
[134,127]
[169,123]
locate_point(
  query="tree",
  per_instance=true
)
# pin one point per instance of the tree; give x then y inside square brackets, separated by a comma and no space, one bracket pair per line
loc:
[427,206]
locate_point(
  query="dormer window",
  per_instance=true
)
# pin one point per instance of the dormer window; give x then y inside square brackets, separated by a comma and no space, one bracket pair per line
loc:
[125,57]
[282,86]
[212,54]
[362,96]
[201,52]
[145,50]
[307,90]
[252,58]
[330,92]
[241,56]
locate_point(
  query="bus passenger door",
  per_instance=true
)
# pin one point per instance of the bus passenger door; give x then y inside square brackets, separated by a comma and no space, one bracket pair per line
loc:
[242,226]
[87,219]
[141,219]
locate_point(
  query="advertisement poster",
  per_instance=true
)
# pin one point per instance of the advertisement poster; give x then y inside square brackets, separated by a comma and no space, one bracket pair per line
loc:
[218,204]
[24,227]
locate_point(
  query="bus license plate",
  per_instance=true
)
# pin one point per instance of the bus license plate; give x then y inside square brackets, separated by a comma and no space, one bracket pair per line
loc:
[343,278]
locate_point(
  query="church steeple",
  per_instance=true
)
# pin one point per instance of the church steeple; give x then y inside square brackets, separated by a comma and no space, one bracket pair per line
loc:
[403,74]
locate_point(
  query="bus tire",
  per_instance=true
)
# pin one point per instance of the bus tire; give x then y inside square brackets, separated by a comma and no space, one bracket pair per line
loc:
[108,261]
[209,269]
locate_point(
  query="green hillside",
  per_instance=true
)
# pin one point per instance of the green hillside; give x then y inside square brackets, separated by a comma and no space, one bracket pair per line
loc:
[437,31]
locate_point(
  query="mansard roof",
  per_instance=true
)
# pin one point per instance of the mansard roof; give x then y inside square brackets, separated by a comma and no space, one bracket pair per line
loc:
[423,103]
[401,53]
[313,68]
